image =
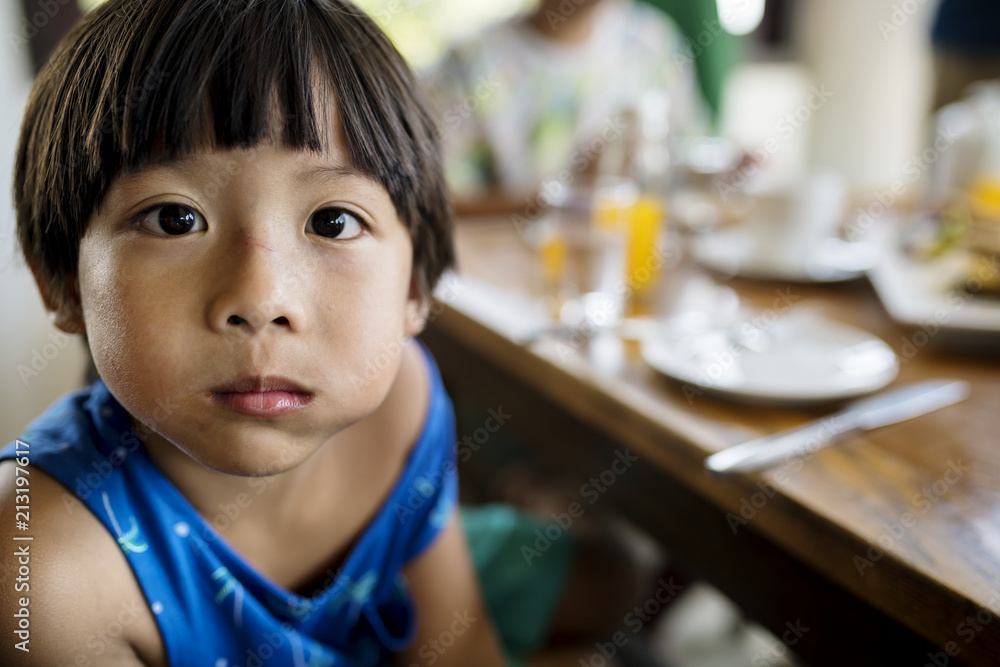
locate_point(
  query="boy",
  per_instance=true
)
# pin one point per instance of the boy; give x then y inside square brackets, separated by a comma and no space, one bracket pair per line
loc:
[239,204]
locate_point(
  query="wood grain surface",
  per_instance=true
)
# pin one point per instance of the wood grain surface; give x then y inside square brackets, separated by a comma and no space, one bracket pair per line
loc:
[887,543]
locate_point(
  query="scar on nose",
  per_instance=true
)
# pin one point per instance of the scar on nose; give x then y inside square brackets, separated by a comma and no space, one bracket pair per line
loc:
[250,241]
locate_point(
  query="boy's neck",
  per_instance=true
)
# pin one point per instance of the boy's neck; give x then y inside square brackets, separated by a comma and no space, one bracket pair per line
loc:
[276,499]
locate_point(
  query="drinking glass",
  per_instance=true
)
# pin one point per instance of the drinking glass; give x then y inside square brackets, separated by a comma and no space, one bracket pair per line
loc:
[583,262]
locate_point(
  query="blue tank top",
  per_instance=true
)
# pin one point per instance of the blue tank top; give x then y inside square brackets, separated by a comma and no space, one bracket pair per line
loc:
[213,609]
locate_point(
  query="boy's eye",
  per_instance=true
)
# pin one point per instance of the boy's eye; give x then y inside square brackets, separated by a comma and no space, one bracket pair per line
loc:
[335,223]
[172,220]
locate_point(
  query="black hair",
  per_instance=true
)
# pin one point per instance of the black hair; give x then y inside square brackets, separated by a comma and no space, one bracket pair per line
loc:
[138,81]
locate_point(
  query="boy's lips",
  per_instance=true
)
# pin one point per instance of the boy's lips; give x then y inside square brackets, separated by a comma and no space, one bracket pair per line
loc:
[259,384]
[262,395]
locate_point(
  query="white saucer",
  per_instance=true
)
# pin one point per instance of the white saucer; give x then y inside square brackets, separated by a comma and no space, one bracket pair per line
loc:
[803,360]
[735,252]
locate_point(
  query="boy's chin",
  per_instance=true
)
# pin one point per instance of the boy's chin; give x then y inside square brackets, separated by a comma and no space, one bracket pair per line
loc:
[255,457]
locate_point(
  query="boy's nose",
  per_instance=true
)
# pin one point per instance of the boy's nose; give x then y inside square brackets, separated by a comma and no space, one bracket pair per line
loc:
[256,290]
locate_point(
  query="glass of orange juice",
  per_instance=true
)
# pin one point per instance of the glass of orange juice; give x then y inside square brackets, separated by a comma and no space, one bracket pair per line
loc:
[619,203]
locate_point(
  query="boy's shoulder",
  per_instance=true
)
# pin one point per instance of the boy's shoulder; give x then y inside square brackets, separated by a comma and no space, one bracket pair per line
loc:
[72,595]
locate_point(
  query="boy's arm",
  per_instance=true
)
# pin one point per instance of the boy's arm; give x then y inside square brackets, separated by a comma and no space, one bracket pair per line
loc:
[453,627]
[69,574]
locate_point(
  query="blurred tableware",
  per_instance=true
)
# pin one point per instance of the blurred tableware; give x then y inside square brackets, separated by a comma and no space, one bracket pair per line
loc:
[784,221]
[700,303]
[962,127]
[941,298]
[632,183]
[886,408]
[965,183]
[981,237]
[790,234]
[703,159]
[794,358]
[704,194]
[735,253]
[583,263]
[592,287]
[966,144]
[620,204]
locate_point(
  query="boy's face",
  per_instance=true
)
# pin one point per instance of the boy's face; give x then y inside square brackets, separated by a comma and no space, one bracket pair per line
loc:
[224,267]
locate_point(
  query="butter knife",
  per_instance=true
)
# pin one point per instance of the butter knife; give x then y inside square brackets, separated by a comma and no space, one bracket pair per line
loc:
[886,408]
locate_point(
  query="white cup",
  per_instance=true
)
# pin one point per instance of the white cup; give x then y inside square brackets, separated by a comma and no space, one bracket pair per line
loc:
[790,220]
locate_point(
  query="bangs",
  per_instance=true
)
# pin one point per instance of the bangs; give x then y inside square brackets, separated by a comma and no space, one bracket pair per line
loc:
[142,81]
[234,74]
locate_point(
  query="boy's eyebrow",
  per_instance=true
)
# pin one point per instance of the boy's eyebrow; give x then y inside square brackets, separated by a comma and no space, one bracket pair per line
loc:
[330,172]
[323,171]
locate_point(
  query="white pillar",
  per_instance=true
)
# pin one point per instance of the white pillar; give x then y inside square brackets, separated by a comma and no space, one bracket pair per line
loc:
[874,56]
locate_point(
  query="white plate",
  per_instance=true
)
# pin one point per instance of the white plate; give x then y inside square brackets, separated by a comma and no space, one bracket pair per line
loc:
[794,361]
[735,252]
[926,296]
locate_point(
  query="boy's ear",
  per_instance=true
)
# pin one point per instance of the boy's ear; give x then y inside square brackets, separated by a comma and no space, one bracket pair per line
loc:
[66,314]
[417,308]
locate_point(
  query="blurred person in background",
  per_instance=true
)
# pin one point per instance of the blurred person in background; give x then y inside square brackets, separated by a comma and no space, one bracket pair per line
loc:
[530,97]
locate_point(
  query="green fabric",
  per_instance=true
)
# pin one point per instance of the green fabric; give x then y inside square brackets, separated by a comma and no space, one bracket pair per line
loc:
[714,54]
[521,592]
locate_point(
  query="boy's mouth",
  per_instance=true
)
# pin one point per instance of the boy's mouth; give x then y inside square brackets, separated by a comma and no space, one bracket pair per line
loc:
[262,395]
[260,384]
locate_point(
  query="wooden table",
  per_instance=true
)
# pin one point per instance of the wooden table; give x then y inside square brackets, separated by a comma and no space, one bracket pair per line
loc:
[887,546]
